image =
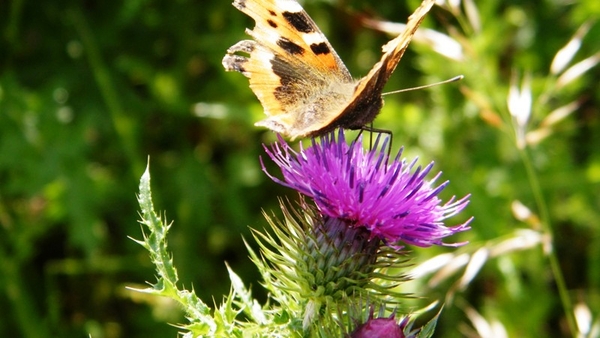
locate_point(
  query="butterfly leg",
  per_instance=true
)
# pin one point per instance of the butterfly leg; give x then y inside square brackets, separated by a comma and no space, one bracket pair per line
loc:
[372,130]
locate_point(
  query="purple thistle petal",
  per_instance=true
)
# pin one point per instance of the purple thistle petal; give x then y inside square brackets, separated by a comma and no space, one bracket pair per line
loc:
[383,327]
[379,328]
[393,200]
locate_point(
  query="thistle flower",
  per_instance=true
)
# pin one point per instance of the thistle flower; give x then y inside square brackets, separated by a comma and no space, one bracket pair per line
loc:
[392,200]
[383,327]
[379,328]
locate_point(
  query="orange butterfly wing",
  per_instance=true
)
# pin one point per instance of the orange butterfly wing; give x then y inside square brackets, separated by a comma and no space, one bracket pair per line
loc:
[292,68]
[303,85]
[367,100]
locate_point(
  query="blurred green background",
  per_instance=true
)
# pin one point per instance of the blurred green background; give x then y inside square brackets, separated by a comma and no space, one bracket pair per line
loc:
[89,90]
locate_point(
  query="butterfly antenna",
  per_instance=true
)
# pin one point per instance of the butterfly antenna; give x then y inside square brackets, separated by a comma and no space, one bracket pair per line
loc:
[454,79]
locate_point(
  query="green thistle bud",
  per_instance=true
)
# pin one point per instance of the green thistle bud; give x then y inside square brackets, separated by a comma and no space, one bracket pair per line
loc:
[317,266]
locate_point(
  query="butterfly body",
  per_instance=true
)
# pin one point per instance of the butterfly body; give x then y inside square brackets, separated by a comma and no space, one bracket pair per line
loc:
[303,85]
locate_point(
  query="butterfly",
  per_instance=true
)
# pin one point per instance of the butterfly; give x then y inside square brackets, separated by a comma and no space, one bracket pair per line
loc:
[301,82]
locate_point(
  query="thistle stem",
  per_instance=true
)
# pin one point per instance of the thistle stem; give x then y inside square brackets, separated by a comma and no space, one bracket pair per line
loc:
[547,228]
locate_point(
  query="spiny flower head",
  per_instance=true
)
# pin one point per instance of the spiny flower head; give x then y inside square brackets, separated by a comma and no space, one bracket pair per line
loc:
[383,328]
[391,199]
